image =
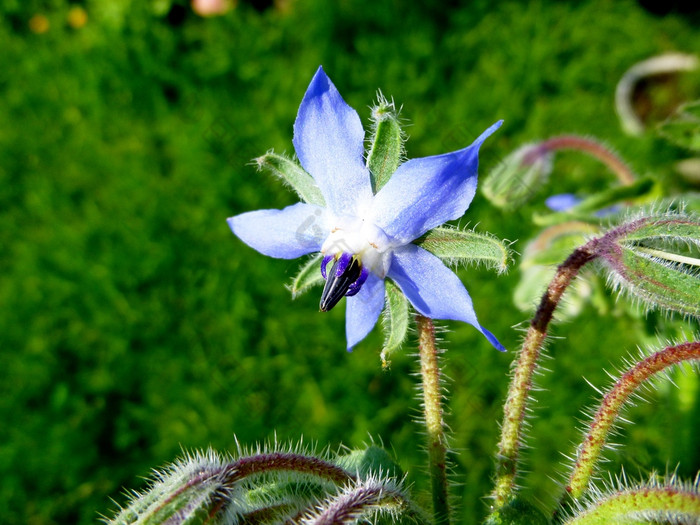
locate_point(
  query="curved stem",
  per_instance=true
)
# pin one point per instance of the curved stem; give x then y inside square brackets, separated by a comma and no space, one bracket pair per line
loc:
[432,406]
[605,416]
[593,148]
[519,389]
[664,504]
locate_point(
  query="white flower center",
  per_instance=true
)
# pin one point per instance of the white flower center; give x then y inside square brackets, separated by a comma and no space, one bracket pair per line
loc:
[362,239]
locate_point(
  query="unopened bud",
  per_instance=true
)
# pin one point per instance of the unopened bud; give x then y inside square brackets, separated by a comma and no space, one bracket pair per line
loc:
[656,259]
[515,180]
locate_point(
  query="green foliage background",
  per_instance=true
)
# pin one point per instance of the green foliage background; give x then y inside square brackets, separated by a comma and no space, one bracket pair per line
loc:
[134,325]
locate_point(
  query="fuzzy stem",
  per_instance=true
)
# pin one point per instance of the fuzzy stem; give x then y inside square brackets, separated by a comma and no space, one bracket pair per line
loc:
[593,148]
[610,407]
[366,498]
[231,473]
[668,504]
[432,405]
[519,389]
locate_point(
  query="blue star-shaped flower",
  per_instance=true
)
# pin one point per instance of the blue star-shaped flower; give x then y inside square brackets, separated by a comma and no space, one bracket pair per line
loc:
[368,237]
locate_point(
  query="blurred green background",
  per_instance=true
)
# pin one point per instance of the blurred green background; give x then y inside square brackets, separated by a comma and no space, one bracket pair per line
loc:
[134,325]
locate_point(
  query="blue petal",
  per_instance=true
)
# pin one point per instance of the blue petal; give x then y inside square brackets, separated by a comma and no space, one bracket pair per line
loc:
[286,234]
[329,141]
[562,202]
[424,193]
[433,289]
[362,310]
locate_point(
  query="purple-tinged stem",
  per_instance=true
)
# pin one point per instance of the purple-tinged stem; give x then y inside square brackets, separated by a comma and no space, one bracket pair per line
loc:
[365,498]
[612,403]
[593,148]
[433,413]
[521,383]
[231,473]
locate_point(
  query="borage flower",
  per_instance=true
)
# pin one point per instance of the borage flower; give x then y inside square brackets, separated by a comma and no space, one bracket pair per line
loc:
[366,234]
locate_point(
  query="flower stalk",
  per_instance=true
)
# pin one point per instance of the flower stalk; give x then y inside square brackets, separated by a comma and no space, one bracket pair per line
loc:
[612,403]
[588,146]
[433,413]
[521,384]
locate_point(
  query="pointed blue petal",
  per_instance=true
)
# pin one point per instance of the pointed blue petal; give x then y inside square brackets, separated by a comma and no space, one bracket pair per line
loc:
[424,193]
[433,289]
[286,234]
[329,141]
[362,310]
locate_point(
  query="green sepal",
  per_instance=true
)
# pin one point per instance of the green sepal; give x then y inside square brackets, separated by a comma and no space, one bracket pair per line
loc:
[309,275]
[387,143]
[641,188]
[466,246]
[395,321]
[293,174]
[683,127]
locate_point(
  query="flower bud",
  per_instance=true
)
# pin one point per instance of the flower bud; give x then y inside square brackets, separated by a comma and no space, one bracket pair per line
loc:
[656,259]
[519,176]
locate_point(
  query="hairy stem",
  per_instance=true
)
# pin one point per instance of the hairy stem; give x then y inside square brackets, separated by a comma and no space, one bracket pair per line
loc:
[432,406]
[231,473]
[613,401]
[371,496]
[519,389]
[666,504]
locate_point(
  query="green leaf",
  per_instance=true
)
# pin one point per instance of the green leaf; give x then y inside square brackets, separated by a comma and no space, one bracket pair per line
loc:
[387,143]
[466,246]
[294,175]
[395,321]
[309,275]
[683,127]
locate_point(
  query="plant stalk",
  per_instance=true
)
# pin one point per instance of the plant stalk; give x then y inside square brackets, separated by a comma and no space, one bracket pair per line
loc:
[519,389]
[433,413]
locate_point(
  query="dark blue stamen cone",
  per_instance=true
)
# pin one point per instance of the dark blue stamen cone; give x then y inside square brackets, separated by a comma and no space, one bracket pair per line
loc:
[344,272]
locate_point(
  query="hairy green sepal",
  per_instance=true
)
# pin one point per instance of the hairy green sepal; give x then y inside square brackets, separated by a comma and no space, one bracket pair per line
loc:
[293,174]
[395,320]
[387,144]
[309,275]
[466,246]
